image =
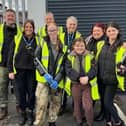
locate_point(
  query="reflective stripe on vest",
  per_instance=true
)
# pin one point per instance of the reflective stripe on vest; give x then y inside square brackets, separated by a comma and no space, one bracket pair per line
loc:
[2,38]
[119,55]
[42,31]
[99,47]
[17,44]
[87,66]
[62,36]
[45,62]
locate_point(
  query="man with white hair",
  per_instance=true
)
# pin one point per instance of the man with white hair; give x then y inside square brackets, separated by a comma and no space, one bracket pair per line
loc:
[70,33]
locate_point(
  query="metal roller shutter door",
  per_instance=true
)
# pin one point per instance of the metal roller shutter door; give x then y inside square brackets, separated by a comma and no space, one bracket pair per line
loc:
[89,12]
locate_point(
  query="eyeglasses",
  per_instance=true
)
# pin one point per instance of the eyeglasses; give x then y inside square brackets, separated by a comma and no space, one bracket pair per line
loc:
[52,30]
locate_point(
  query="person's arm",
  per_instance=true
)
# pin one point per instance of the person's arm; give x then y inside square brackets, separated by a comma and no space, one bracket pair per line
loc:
[10,61]
[10,58]
[93,71]
[71,73]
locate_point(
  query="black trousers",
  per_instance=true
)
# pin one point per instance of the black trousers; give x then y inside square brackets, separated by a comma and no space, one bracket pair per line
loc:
[107,93]
[25,84]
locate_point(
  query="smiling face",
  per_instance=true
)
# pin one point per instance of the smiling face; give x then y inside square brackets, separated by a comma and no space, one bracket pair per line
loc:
[28,29]
[10,18]
[112,33]
[71,26]
[49,18]
[79,47]
[97,32]
[52,31]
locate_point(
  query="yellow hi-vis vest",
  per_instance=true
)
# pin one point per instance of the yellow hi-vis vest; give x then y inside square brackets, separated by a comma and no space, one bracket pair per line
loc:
[119,56]
[45,63]
[62,36]
[43,33]
[2,38]
[17,44]
[87,66]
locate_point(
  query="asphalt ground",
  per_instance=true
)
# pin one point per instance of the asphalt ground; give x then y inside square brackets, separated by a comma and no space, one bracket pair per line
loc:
[66,119]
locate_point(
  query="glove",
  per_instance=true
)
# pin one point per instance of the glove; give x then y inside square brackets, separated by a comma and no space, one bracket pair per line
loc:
[48,78]
[54,84]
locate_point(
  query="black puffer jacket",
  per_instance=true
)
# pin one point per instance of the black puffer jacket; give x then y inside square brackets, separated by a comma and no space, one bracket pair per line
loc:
[106,64]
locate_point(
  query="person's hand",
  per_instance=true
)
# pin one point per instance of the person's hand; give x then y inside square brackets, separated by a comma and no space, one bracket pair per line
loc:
[54,84]
[48,78]
[121,70]
[11,76]
[84,80]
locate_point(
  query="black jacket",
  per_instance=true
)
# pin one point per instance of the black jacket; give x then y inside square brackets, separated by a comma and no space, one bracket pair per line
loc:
[74,75]
[9,34]
[106,64]
[23,58]
[92,44]
[54,61]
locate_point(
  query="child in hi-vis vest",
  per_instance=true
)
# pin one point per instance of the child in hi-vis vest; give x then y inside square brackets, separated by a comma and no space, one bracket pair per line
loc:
[81,71]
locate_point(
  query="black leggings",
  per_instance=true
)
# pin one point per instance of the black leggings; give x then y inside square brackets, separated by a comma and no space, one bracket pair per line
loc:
[107,93]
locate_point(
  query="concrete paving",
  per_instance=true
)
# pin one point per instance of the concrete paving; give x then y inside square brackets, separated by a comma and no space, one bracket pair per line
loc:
[64,120]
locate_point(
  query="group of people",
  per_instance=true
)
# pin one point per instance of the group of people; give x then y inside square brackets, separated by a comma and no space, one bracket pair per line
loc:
[57,62]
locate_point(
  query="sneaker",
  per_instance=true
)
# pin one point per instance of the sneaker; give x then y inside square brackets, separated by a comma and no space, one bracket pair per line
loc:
[100,117]
[109,123]
[120,123]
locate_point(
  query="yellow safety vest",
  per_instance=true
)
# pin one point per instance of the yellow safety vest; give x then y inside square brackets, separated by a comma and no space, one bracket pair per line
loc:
[119,55]
[17,44]
[87,66]
[62,36]
[2,38]
[43,33]
[45,62]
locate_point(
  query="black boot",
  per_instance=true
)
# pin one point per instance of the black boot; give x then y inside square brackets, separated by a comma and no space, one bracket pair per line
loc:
[30,118]
[100,117]
[52,124]
[80,124]
[22,118]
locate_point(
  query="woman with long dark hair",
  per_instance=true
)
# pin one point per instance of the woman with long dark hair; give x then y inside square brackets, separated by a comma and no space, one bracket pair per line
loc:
[109,55]
[22,69]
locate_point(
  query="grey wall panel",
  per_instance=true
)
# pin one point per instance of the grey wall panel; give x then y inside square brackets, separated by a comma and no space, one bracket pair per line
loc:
[89,12]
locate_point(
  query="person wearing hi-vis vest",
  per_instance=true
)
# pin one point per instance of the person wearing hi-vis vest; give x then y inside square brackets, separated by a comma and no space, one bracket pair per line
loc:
[110,55]
[97,34]
[49,18]
[81,81]
[67,36]
[7,32]
[21,68]
[50,81]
